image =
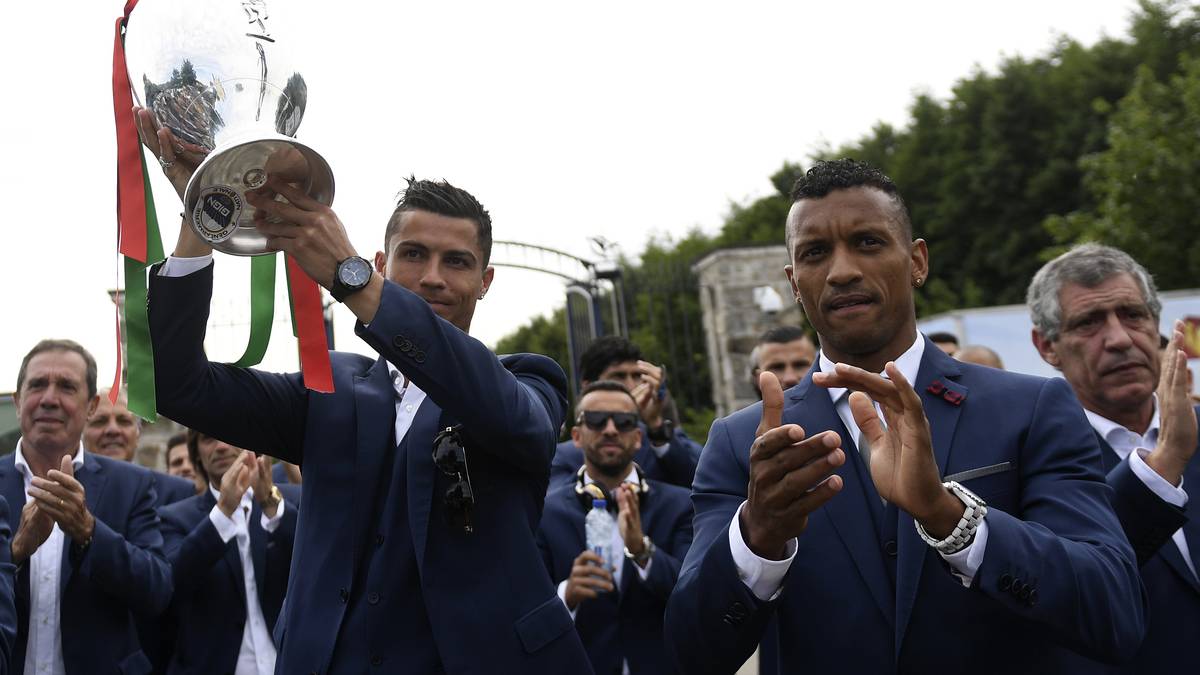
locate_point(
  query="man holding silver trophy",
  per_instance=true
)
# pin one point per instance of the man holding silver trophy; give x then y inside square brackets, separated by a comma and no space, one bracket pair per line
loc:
[425,470]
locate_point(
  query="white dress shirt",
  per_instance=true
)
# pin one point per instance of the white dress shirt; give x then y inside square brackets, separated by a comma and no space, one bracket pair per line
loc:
[764,577]
[1134,447]
[256,656]
[43,647]
[618,544]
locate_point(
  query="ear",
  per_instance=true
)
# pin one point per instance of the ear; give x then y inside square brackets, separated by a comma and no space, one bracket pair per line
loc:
[920,259]
[488,275]
[92,404]
[637,441]
[1047,349]
[788,270]
[381,263]
[576,434]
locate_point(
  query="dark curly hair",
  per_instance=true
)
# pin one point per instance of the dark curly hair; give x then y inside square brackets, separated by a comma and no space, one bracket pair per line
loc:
[842,174]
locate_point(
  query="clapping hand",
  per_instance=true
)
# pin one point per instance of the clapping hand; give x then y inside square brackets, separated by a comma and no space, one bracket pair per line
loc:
[903,467]
[1177,432]
[646,393]
[235,482]
[62,498]
[790,476]
[629,520]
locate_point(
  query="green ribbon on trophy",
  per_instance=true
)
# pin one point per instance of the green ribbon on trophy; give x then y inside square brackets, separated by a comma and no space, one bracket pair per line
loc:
[140,243]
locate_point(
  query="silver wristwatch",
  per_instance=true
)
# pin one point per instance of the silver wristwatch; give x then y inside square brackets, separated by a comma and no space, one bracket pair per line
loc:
[647,551]
[964,532]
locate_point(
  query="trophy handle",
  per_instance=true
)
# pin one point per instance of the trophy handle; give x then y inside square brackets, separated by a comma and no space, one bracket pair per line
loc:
[215,197]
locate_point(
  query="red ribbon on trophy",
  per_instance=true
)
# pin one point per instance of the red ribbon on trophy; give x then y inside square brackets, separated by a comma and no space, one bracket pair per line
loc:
[140,243]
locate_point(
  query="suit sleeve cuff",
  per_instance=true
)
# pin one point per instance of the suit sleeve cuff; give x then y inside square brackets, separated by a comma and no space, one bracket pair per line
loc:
[225,525]
[643,574]
[181,267]
[763,577]
[1173,495]
[272,524]
[562,595]
[965,564]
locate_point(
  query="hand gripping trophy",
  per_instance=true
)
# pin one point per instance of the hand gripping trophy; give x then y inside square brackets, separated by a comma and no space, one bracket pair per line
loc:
[218,75]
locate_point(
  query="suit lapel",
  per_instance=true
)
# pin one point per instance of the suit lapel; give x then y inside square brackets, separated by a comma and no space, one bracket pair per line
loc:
[12,486]
[374,401]
[93,478]
[942,398]
[1169,551]
[230,559]
[1108,457]
[811,407]
[421,473]
[1191,528]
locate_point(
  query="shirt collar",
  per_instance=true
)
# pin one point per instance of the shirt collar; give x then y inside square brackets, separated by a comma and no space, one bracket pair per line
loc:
[630,477]
[1116,434]
[909,364]
[23,466]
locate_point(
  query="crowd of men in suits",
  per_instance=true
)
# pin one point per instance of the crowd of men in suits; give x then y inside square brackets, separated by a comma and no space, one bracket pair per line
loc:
[884,508]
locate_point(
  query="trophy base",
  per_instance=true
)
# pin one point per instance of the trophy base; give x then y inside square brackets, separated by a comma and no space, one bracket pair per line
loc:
[215,196]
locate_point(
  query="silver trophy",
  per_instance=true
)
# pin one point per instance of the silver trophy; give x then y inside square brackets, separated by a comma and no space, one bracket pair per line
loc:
[218,74]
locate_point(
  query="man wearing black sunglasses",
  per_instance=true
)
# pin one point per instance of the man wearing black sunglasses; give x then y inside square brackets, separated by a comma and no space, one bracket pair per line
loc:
[665,453]
[618,612]
[406,562]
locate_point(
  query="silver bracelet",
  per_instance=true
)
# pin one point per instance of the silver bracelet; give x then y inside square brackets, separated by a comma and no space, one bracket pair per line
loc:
[964,532]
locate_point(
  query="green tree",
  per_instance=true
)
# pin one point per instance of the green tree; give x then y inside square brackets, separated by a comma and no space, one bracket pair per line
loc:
[1147,182]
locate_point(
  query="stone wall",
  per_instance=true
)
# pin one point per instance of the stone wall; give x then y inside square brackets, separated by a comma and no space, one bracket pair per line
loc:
[738,308]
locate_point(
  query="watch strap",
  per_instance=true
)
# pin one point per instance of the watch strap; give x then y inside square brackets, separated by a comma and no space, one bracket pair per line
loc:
[964,532]
[645,555]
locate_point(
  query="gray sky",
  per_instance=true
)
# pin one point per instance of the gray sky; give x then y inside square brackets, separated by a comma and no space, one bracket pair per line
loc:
[625,119]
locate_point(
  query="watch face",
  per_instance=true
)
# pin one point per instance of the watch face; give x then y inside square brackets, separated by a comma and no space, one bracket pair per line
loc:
[354,272]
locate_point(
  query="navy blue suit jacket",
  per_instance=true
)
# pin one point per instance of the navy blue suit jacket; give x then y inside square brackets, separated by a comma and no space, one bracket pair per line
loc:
[121,574]
[209,604]
[488,603]
[171,489]
[628,624]
[1173,622]
[155,632]
[8,607]
[677,466]
[866,595]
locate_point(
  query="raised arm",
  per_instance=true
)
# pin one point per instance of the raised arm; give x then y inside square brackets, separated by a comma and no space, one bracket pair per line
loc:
[241,406]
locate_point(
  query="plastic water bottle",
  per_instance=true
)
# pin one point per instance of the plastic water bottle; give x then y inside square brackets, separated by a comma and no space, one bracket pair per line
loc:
[599,526]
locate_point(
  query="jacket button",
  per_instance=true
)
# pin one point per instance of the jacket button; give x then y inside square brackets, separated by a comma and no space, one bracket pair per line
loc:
[1025,592]
[379,540]
[377,660]
[1032,599]
[402,343]
[419,357]
[738,609]
[373,598]
[1005,582]
[890,548]
[344,595]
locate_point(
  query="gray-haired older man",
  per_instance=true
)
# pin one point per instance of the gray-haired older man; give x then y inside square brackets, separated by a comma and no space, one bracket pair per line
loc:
[1095,314]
